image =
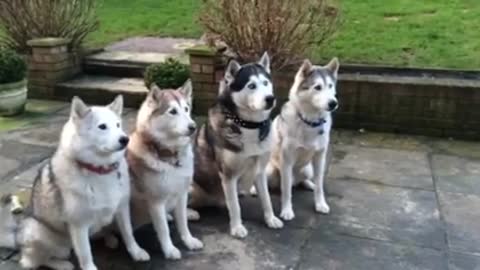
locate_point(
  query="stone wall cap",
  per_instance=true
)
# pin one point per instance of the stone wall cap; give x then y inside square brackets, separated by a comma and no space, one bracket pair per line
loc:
[202,50]
[48,42]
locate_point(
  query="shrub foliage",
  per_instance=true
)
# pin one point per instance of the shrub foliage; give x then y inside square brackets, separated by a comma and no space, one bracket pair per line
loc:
[287,29]
[22,20]
[169,74]
[12,66]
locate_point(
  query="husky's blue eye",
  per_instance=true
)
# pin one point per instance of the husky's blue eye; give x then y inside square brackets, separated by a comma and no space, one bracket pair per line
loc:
[118,125]
[186,109]
[102,127]
[265,83]
[330,86]
[318,87]
[252,86]
[173,111]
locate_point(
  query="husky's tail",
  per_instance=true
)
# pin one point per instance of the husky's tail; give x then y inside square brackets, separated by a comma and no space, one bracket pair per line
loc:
[10,209]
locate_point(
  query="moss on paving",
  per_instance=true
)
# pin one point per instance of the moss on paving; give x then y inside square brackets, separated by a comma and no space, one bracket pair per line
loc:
[35,111]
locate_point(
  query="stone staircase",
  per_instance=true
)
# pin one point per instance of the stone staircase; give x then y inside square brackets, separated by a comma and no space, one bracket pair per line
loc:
[109,73]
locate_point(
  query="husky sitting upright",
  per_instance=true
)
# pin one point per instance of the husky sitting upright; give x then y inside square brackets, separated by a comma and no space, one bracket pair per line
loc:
[234,145]
[302,134]
[160,156]
[80,191]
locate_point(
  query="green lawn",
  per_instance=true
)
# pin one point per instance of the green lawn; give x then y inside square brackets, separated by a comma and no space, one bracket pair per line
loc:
[420,33]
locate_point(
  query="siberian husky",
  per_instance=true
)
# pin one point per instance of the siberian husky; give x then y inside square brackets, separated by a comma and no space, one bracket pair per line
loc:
[301,135]
[234,145]
[83,188]
[160,156]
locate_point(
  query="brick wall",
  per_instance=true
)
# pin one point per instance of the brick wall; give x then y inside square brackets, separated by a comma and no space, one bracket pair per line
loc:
[49,62]
[390,103]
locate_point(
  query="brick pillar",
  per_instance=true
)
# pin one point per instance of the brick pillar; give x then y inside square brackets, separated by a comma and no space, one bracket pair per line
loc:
[49,63]
[206,69]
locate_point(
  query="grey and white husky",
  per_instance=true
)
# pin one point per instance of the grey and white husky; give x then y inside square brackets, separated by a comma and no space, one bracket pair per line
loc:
[301,135]
[83,188]
[160,155]
[233,147]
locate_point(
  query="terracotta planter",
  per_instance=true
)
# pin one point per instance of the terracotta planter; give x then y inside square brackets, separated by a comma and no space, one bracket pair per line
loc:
[13,97]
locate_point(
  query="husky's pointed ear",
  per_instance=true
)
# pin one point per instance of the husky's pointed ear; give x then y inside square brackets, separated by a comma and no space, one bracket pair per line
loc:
[186,90]
[232,69]
[155,94]
[265,61]
[117,105]
[333,66]
[306,68]
[79,109]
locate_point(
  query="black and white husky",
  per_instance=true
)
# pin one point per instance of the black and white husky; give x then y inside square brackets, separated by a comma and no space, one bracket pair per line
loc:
[301,134]
[233,147]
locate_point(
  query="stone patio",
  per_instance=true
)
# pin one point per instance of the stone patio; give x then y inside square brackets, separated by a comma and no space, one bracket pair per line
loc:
[398,202]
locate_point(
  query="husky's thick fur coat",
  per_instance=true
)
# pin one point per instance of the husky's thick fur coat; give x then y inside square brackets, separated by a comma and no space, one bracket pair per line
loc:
[233,147]
[83,188]
[160,157]
[301,135]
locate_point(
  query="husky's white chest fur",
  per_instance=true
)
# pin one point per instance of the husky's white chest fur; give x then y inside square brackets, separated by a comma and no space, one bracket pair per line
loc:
[93,199]
[167,182]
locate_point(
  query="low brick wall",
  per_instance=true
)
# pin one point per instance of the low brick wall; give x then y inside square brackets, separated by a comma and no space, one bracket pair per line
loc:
[388,103]
[49,63]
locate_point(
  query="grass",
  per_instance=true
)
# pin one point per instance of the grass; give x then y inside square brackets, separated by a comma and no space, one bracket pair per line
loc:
[427,33]
[125,18]
[413,33]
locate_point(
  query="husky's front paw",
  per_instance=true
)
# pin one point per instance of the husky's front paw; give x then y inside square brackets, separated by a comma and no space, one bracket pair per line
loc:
[239,231]
[193,215]
[61,265]
[172,253]
[287,213]
[89,267]
[139,254]
[274,223]
[193,243]
[322,208]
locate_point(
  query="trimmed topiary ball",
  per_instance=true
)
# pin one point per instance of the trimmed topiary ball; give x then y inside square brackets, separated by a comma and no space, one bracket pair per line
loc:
[12,66]
[169,74]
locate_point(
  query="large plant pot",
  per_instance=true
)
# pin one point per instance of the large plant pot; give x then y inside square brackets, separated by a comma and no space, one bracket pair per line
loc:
[13,97]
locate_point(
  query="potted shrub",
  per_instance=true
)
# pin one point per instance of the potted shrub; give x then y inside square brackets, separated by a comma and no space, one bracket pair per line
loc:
[13,85]
[170,74]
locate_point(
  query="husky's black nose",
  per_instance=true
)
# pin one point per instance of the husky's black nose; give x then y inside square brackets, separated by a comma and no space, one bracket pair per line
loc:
[192,128]
[123,141]
[332,105]
[270,101]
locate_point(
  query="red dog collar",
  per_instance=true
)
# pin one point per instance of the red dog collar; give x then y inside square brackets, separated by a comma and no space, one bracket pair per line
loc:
[98,169]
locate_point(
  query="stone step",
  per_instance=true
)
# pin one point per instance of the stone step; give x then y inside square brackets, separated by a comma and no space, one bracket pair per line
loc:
[102,89]
[125,63]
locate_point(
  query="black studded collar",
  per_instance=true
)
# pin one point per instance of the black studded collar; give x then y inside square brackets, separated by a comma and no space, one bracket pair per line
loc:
[313,124]
[263,126]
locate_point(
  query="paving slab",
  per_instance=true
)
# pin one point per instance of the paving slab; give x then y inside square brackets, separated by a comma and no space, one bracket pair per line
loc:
[466,149]
[329,251]
[262,249]
[386,166]
[381,140]
[459,261]
[45,134]
[18,157]
[462,217]
[384,213]
[456,174]
[24,180]
[154,44]
[127,57]
[9,265]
